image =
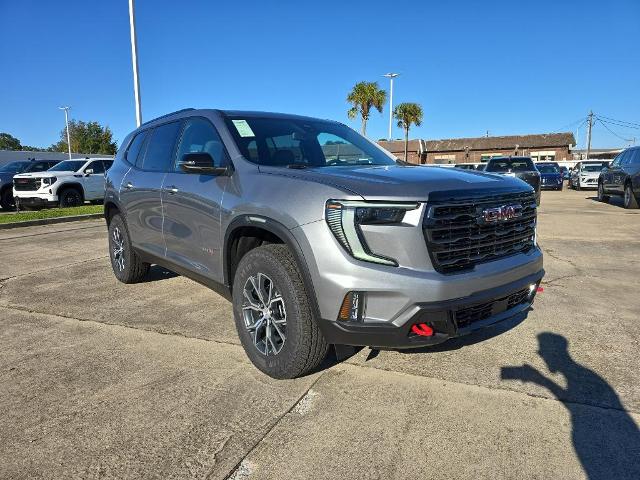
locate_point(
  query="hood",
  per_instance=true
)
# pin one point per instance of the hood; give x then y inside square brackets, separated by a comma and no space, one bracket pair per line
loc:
[47,174]
[397,182]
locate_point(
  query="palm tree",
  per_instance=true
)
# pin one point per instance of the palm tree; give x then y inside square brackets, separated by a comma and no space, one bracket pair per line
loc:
[363,97]
[407,114]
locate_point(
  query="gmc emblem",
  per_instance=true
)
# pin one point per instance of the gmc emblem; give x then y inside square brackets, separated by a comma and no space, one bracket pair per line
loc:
[501,214]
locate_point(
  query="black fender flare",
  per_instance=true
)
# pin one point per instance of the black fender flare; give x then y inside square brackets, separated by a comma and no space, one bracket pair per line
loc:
[76,185]
[278,229]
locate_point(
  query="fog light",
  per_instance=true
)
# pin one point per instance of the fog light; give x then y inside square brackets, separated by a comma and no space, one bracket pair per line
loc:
[352,307]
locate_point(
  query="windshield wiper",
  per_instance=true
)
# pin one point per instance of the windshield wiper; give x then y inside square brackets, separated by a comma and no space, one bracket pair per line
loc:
[297,166]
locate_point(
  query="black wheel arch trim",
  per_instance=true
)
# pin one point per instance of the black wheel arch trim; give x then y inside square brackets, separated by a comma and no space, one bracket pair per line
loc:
[278,229]
[74,185]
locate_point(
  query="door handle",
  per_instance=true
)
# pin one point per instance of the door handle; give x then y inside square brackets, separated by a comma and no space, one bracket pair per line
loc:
[172,190]
[128,185]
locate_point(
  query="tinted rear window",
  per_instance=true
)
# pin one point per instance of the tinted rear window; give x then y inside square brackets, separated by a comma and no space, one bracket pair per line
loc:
[160,147]
[510,165]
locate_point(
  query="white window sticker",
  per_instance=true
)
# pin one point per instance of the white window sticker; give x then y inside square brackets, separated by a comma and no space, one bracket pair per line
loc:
[243,128]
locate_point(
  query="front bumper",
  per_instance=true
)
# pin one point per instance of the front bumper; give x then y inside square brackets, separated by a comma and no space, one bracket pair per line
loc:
[449,318]
[551,185]
[34,198]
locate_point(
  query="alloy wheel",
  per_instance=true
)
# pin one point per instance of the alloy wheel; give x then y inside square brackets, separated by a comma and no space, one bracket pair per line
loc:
[264,314]
[118,248]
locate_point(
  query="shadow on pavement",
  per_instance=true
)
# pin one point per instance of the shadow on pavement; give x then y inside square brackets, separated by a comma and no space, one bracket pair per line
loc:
[616,201]
[606,439]
[156,273]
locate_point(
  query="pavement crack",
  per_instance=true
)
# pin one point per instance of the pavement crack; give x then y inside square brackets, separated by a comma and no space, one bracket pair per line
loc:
[129,327]
[270,429]
[499,387]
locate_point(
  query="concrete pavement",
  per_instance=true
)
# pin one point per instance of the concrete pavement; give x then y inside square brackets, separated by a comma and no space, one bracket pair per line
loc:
[99,379]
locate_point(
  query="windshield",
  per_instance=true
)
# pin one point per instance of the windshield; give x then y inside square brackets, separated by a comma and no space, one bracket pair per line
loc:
[547,169]
[68,166]
[14,167]
[591,168]
[282,142]
[510,165]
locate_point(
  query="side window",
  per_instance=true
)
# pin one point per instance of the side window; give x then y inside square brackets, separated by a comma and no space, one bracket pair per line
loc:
[198,136]
[616,161]
[39,167]
[160,148]
[133,152]
[628,158]
[97,167]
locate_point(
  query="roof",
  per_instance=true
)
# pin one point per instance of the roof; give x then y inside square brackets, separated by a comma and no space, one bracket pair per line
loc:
[491,143]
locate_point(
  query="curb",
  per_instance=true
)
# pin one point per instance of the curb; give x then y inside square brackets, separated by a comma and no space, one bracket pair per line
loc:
[50,221]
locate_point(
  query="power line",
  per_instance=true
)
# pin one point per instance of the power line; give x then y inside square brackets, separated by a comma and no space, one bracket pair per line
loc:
[636,125]
[569,126]
[622,125]
[612,132]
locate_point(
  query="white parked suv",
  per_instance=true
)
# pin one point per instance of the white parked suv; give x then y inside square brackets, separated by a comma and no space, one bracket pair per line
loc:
[585,175]
[68,184]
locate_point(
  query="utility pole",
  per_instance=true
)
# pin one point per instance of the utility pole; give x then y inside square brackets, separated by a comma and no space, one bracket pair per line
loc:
[391,76]
[589,125]
[66,122]
[134,61]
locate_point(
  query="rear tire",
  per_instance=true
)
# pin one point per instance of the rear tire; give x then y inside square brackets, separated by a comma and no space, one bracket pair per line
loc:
[630,200]
[70,197]
[601,195]
[125,262]
[273,317]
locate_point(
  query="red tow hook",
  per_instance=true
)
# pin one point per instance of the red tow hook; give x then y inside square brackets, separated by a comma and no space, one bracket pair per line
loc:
[539,289]
[422,329]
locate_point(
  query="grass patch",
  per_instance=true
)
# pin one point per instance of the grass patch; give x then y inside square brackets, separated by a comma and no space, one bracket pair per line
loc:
[50,213]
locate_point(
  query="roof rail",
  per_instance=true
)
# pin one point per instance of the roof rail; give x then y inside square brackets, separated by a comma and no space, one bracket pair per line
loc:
[167,115]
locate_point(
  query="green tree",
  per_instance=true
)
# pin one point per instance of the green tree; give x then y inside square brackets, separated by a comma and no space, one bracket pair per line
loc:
[87,137]
[364,97]
[9,142]
[407,114]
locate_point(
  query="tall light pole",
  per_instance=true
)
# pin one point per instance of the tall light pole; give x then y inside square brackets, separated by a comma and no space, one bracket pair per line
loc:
[66,122]
[134,61]
[391,76]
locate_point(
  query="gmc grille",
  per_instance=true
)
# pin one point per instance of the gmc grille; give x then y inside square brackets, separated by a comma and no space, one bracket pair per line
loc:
[26,184]
[458,239]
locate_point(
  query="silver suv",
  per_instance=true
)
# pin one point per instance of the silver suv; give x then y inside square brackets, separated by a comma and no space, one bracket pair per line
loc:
[318,236]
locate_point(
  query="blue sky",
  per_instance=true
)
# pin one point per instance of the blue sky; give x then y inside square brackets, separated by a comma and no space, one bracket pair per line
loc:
[507,67]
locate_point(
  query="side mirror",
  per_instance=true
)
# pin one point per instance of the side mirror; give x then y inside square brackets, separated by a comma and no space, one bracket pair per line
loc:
[88,171]
[200,162]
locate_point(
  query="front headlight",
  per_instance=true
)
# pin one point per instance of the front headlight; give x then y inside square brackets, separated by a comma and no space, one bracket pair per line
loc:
[48,181]
[344,218]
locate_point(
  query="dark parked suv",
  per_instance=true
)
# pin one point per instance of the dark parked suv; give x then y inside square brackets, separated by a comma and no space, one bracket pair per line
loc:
[519,167]
[10,169]
[622,177]
[318,236]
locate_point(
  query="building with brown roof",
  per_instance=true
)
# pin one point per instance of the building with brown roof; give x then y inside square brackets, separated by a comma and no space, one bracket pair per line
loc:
[545,146]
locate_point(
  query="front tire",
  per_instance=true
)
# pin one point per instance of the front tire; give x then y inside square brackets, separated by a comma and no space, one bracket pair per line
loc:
[70,197]
[601,195]
[6,199]
[125,262]
[630,200]
[274,320]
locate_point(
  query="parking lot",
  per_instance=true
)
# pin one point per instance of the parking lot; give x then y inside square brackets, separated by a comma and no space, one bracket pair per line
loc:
[100,379]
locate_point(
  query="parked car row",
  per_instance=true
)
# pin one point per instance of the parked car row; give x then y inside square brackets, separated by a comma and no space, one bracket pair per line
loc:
[8,171]
[50,183]
[585,174]
[621,178]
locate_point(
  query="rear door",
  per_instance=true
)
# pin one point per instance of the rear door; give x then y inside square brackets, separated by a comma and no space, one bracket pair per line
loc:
[151,153]
[93,180]
[192,201]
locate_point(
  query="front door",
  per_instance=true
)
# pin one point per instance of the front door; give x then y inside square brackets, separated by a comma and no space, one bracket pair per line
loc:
[192,203]
[151,155]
